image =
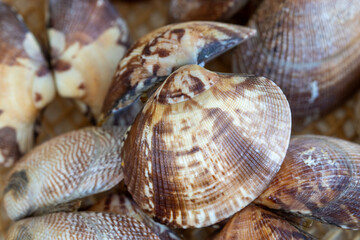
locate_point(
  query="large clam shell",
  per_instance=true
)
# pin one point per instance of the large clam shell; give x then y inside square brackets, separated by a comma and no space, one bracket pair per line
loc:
[25,82]
[87,40]
[68,167]
[156,55]
[311,49]
[79,226]
[254,222]
[205,145]
[320,177]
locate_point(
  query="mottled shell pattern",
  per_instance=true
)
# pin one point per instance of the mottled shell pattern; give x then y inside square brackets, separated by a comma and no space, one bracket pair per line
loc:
[357,114]
[156,55]
[121,204]
[320,178]
[186,10]
[26,85]
[80,225]
[205,145]
[87,40]
[254,222]
[71,166]
[311,49]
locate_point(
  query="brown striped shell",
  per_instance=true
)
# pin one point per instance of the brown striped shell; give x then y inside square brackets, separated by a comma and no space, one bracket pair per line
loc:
[186,10]
[254,223]
[87,40]
[205,145]
[156,55]
[80,226]
[25,82]
[311,49]
[119,203]
[68,167]
[320,177]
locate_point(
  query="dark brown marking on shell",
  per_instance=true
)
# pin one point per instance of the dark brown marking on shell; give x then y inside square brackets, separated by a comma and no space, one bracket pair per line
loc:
[38,97]
[1,112]
[61,66]
[81,86]
[17,183]
[42,71]
[9,146]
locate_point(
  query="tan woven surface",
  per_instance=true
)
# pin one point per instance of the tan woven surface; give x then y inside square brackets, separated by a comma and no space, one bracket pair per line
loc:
[142,17]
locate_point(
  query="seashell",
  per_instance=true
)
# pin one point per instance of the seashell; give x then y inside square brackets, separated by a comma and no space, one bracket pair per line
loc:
[121,204]
[320,178]
[186,10]
[80,225]
[254,222]
[357,113]
[311,49]
[156,55]
[26,86]
[196,154]
[71,166]
[87,40]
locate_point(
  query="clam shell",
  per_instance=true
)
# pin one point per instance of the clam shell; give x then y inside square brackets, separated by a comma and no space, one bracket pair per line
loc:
[205,145]
[156,55]
[186,10]
[80,225]
[254,222]
[25,82]
[119,203]
[311,49]
[68,167]
[87,40]
[320,177]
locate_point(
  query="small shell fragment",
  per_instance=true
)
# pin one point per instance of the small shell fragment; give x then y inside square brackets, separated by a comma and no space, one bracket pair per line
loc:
[26,86]
[71,166]
[320,178]
[80,226]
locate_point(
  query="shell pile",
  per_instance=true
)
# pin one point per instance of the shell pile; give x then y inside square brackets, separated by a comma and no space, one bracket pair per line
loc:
[179,151]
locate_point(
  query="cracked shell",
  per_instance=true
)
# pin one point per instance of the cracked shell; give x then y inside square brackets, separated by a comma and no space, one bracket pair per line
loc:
[156,55]
[320,178]
[71,166]
[311,49]
[80,225]
[205,145]
[87,39]
[26,86]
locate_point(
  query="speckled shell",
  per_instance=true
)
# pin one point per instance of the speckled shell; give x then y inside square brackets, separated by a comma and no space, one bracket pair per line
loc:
[26,85]
[156,55]
[119,203]
[186,10]
[205,145]
[80,226]
[320,177]
[254,222]
[87,40]
[311,49]
[68,167]
[357,114]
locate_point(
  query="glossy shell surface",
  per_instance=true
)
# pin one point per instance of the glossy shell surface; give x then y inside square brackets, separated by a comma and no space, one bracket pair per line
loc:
[205,145]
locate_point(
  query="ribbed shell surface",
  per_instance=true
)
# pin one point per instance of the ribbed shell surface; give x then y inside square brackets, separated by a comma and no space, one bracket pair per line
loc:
[80,226]
[257,223]
[205,145]
[25,82]
[68,167]
[87,39]
[311,49]
[156,55]
[320,177]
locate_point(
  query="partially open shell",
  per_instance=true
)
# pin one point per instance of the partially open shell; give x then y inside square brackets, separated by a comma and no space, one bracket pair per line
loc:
[320,177]
[80,225]
[311,49]
[119,203]
[156,55]
[205,145]
[186,10]
[254,222]
[87,40]
[68,167]
[25,82]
